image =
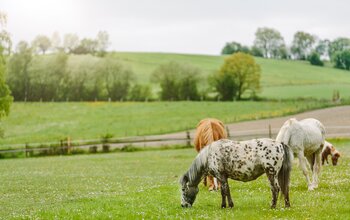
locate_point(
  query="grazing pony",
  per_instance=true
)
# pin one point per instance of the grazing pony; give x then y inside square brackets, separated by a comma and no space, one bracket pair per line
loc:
[242,161]
[209,130]
[306,138]
[329,149]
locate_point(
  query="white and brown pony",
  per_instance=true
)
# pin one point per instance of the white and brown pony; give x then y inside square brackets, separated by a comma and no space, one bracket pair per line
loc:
[306,138]
[329,149]
[242,161]
[209,130]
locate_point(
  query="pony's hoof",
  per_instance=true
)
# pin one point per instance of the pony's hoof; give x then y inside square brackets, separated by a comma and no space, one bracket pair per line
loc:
[311,188]
[231,205]
[223,206]
[273,206]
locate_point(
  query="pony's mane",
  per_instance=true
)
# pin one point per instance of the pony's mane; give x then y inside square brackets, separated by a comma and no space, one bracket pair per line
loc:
[198,167]
[209,130]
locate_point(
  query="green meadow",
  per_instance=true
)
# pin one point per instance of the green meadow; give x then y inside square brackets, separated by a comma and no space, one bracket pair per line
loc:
[144,185]
[279,78]
[51,122]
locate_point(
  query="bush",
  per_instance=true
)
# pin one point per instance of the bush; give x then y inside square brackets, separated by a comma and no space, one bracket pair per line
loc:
[341,60]
[315,59]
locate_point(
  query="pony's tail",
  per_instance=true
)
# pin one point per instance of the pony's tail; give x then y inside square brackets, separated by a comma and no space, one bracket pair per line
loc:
[284,173]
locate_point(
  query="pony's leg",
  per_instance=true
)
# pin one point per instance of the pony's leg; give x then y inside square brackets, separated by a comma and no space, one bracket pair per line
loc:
[316,168]
[225,192]
[211,183]
[205,180]
[274,188]
[303,166]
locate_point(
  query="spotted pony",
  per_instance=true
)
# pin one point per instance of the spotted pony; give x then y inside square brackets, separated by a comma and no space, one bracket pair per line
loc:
[242,161]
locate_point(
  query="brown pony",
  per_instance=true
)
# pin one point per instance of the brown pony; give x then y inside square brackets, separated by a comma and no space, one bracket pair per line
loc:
[209,130]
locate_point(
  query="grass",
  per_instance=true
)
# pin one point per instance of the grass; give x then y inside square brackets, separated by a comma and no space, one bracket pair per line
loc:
[277,75]
[145,185]
[51,122]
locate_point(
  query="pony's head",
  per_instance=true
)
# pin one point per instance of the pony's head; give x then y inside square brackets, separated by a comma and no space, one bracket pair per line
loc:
[188,193]
[335,155]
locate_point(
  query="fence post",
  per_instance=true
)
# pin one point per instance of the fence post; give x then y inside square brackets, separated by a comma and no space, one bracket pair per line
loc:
[270,133]
[188,136]
[68,145]
[27,149]
[228,131]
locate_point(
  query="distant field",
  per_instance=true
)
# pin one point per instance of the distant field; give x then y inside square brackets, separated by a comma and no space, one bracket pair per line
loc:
[144,185]
[46,122]
[276,74]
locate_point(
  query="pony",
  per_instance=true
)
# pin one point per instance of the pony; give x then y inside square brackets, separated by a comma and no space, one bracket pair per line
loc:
[329,149]
[306,138]
[242,161]
[209,130]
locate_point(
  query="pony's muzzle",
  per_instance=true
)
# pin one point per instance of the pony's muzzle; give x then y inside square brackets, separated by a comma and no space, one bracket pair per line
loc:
[186,205]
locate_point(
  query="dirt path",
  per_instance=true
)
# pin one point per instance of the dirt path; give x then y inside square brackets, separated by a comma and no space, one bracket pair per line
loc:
[335,119]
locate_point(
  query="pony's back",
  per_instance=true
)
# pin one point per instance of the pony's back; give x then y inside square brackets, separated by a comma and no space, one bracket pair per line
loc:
[208,130]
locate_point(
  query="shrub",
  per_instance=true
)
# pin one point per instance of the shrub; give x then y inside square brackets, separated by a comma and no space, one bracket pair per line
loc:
[315,59]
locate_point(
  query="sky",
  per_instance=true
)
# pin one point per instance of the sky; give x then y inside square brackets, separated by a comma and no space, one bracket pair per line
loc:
[178,26]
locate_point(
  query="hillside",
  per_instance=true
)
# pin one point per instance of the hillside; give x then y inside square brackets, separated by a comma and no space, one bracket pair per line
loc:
[280,78]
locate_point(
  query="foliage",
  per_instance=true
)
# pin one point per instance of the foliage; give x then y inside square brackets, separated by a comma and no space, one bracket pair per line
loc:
[177,81]
[341,59]
[315,59]
[18,74]
[5,96]
[234,47]
[338,45]
[70,42]
[270,42]
[302,45]
[238,75]
[322,47]
[41,43]
[116,78]
[140,93]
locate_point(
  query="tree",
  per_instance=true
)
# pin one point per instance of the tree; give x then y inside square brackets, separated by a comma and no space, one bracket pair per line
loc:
[70,42]
[42,43]
[140,93]
[269,41]
[102,40]
[234,47]
[341,59]
[338,45]
[302,45]
[18,75]
[56,41]
[315,59]
[5,41]
[238,75]
[177,81]
[86,46]
[117,79]
[322,48]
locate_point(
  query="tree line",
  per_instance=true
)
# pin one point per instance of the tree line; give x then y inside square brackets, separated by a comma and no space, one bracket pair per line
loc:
[269,43]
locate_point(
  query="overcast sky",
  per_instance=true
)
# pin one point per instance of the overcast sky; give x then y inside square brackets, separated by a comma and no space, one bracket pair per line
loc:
[182,26]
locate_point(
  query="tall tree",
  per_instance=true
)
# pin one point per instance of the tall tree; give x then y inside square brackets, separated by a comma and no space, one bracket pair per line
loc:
[5,45]
[338,45]
[70,42]
[56,41]
[18,75]
[322,47]
[41,43]
[269,41]
[234,47]
[102,40]
[302,45]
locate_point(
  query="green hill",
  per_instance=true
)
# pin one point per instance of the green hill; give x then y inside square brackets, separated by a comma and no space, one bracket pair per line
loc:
[280,78]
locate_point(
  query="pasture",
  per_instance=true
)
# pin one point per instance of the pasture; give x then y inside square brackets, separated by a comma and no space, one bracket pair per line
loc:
[51,122]
[279,78]
[144,184]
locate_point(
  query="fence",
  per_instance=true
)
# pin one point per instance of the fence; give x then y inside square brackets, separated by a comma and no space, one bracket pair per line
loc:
[106,144]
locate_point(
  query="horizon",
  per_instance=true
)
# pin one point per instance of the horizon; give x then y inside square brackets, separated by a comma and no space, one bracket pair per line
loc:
[174,27]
